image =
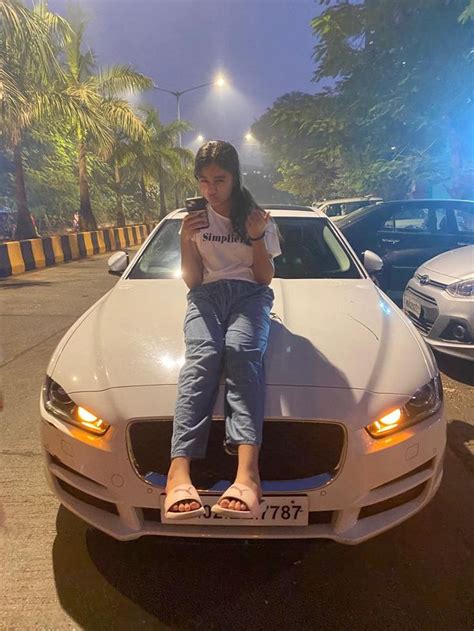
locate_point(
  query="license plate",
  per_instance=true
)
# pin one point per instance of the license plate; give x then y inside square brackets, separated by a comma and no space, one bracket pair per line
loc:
[284,510]
[412,306]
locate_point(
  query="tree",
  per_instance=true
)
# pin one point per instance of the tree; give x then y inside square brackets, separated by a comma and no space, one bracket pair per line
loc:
[119,157]
[298,134]
[99,91]
[401,106]
[181,178]
[27,66]
[159,159]
[35,88]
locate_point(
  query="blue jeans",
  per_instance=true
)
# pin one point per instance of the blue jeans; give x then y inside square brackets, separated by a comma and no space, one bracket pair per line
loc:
[226,325]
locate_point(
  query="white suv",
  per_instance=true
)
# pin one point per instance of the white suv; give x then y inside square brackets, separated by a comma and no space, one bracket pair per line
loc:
[337,208]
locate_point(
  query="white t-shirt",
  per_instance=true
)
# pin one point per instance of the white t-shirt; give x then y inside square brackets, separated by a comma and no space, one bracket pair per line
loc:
[224,254]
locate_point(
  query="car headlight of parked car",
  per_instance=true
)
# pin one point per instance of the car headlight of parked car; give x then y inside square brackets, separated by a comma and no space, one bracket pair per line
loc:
[59,404]
[425,402]
[462,289]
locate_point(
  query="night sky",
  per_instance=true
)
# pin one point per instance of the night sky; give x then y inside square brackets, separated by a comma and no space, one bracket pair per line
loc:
[263,47]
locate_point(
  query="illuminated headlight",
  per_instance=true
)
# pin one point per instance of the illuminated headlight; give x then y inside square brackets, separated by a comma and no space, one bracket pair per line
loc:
[462,289]
[59,404]
[425,402]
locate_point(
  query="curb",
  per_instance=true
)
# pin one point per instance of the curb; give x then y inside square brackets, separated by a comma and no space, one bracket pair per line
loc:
[17,257]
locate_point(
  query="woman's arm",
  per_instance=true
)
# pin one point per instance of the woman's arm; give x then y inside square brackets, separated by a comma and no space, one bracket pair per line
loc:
[191,262]
[263,268]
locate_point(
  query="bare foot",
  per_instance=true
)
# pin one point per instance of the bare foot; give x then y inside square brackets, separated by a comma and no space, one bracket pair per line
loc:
[175,480]
[233,504]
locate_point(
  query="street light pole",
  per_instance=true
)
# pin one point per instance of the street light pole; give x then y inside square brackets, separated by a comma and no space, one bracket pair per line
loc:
[179,93]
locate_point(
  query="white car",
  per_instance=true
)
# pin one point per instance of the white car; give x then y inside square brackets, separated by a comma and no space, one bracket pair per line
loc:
[339,208]
[439,300]
[354,433]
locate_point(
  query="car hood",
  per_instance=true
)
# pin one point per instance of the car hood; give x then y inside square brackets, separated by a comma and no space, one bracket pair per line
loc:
[451,266]
[324,333]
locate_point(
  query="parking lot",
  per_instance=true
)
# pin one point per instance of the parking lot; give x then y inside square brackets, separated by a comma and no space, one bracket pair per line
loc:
[57,573]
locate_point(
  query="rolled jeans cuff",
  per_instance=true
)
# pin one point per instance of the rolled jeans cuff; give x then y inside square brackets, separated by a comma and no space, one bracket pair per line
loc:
[188,454]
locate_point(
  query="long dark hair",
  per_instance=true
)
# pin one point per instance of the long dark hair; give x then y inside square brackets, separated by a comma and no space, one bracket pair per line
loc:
[225,155]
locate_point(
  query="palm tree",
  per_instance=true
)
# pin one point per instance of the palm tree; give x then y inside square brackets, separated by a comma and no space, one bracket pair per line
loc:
[27,67]
[99,91]
[183,181]
[120,157]
[136,157]
[159,158]
[34,87]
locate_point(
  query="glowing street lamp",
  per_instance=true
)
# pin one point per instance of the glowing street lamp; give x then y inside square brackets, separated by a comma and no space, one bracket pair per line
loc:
[219,81]
[252,145]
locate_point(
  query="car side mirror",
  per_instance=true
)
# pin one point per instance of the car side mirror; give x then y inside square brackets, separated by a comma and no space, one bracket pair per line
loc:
[372,262]
[118,263]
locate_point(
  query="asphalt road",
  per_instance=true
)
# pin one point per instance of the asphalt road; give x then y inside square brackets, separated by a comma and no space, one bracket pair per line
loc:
[56,573]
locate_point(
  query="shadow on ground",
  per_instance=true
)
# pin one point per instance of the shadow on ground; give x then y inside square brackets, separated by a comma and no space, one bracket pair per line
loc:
[458,369]
[19,285]
[418,575]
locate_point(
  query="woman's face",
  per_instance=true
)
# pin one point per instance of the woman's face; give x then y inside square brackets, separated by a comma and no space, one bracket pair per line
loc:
[216,184]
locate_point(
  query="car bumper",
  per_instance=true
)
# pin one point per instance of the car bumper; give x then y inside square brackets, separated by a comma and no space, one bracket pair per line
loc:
[380,484]
[439,311]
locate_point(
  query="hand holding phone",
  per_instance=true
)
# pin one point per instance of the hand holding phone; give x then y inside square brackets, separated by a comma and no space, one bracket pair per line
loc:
[197,207]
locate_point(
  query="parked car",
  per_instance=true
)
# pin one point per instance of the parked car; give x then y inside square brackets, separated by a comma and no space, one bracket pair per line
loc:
[354,432]
[407,233]
[439,300]
[338,208]
[286,207]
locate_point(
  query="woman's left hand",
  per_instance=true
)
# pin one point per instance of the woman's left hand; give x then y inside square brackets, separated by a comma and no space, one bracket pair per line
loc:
[256,223]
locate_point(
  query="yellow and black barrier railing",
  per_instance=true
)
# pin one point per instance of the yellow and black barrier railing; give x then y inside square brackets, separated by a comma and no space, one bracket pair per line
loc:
[17,257]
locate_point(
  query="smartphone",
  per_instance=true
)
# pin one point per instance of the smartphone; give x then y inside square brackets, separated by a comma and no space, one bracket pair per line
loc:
[197,205]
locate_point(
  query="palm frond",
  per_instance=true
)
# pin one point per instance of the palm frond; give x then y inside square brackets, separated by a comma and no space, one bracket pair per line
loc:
[11,97]
[118,79]
[28,34]
[69,108]
[186,157]
[16,21]
[56,24]
[120,115]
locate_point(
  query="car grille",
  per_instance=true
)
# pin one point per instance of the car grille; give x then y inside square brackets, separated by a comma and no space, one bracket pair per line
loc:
[429,311]
[434,283]
[291,450]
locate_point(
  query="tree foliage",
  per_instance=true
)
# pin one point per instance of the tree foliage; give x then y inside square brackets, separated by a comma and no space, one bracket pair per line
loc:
[400,109]
[69,137]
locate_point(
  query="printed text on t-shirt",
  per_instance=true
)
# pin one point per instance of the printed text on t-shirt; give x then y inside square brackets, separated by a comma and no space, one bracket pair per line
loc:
[222,238]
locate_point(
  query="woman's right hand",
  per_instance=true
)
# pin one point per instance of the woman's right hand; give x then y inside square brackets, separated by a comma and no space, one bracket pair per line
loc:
[192,224]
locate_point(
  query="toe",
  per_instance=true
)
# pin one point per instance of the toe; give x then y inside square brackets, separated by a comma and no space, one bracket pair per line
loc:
[233,504]
[184,507]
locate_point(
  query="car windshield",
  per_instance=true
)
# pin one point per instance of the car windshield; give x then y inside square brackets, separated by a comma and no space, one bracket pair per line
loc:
[360,212]
[350,207]
[310,249]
